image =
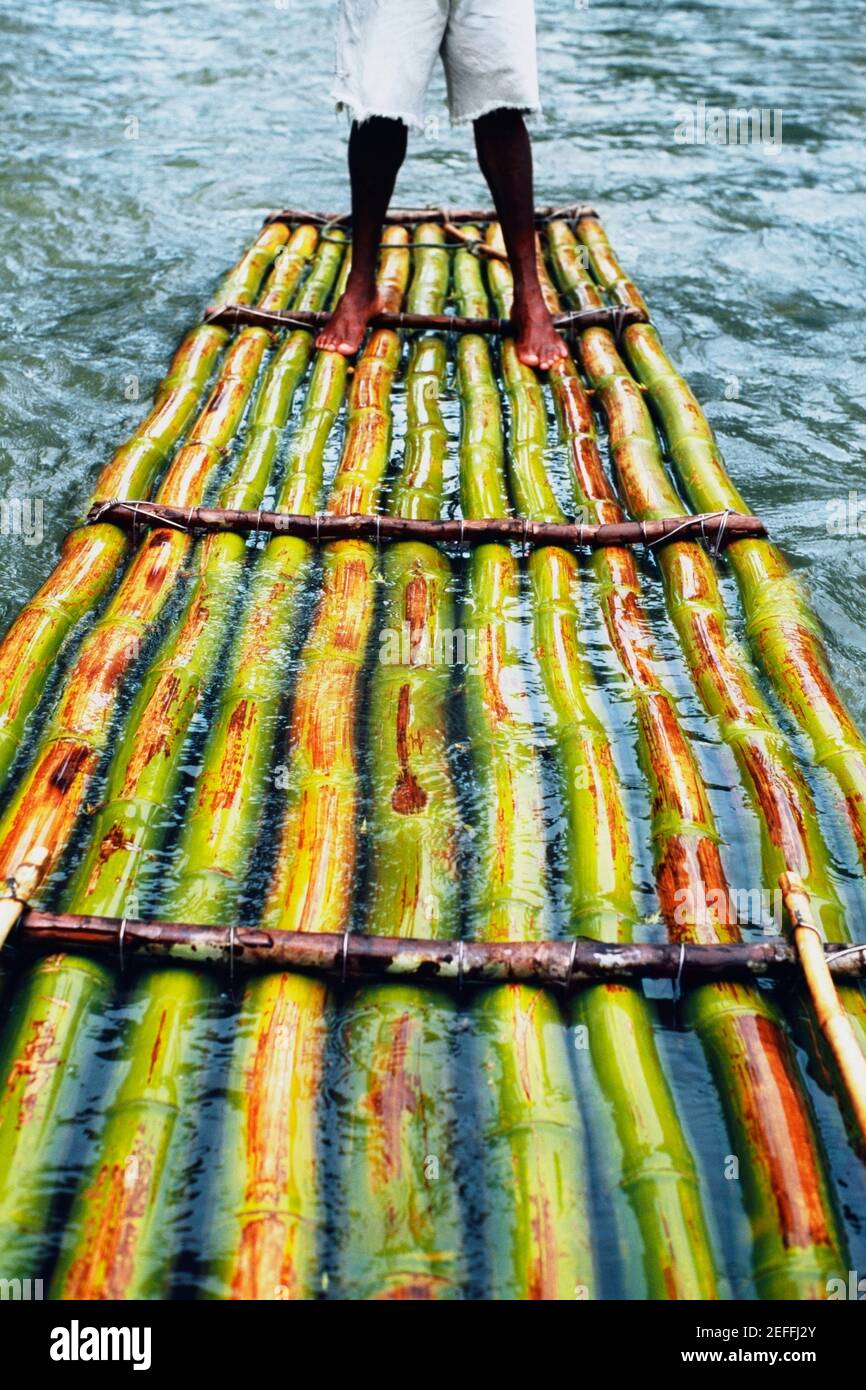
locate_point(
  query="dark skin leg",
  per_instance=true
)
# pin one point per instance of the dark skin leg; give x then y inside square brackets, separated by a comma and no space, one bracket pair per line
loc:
[377,148]
[505,157]
[376,151]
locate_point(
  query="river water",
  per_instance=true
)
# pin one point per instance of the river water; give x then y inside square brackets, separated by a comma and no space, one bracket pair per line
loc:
[143,143]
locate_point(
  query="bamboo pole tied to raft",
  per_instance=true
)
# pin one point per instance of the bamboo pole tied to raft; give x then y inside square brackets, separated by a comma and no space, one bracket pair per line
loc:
[832,1018]
[20,887]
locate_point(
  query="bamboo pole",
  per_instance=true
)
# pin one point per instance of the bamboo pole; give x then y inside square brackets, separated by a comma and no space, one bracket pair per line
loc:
[266,1234]
[480,248]
[129,824]
[214,848]
[720,668]
[562,964]
[230,315]
[410,216]
[48,1035]
[90,556]
[654,1167]
[537,1222]
[114,1243]
[400,1228]
[791,840]
[326,527]
[832,1018]
[218,834]
[21,886]
[45,806]
[786,1192]
[779,623]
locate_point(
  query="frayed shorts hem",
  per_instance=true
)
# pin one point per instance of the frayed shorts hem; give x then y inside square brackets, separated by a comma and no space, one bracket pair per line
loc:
[466,118]
[359,113]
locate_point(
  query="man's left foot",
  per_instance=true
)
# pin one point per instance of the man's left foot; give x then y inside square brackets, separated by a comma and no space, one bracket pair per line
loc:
[537,342]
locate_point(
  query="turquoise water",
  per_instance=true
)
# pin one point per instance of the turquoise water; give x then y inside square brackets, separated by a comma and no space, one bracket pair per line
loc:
[144,143]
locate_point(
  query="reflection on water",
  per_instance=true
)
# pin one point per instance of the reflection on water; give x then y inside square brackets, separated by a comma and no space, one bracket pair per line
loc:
[144,143]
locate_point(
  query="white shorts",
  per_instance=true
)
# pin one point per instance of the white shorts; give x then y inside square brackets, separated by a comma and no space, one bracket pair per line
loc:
[386,50]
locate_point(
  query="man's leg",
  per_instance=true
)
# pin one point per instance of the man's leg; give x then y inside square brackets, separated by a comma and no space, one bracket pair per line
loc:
[505,157]
[376,151]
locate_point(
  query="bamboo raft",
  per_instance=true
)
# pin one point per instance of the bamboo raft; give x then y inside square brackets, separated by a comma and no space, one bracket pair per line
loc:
[338,772]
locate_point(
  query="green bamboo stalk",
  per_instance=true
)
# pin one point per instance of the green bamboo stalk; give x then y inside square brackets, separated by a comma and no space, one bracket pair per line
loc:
[796,1240]
[217,836]
[400,1226]
[780,625]
[267,1217]
[654,1168]
[91,555]
[115,1243]
[537,1218]
[46,1039]
[45,806]
[791,838]
[791,841]
[214,847]
[218,830]
[129,825]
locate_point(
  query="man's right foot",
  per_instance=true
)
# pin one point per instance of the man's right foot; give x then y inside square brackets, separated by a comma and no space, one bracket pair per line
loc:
[537,342]
[344,331]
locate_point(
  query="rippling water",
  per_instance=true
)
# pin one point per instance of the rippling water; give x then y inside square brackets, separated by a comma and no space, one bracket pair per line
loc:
[144,142]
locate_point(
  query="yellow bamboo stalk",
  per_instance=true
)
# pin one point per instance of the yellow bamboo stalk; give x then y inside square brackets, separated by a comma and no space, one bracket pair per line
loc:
[21,886]
[832,1018]
[266,1242]
[50,793]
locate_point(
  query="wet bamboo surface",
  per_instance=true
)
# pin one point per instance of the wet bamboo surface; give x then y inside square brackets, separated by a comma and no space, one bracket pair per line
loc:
[115,1244]
[401,1230]
[531,1123]
[650,1160]
[511,1142]
[273,1201]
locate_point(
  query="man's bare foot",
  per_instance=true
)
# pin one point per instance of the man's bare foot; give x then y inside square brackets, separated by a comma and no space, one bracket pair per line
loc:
[537,342]
[344,331]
